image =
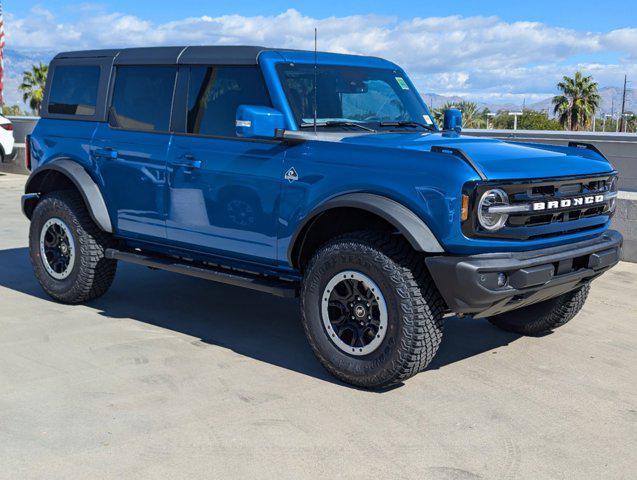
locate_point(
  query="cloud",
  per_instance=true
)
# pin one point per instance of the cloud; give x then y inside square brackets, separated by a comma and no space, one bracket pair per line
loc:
[476,55]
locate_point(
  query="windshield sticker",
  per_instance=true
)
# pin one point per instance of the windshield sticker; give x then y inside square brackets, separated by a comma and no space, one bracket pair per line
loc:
[428,120]
[402,83]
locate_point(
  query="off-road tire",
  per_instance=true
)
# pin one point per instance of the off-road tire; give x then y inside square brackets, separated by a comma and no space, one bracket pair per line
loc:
[415,308]
[92,273]
[545,316]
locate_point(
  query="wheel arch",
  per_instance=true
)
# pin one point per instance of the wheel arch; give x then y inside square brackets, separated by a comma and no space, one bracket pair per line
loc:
[64,174]
[382,211]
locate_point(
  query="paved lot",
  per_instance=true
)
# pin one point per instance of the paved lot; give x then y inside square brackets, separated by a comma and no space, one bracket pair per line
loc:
[174,377]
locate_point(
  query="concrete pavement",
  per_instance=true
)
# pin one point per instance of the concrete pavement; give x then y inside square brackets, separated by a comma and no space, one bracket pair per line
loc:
[174,377]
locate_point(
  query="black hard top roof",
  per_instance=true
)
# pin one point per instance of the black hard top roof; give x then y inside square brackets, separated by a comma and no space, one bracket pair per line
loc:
[227,55]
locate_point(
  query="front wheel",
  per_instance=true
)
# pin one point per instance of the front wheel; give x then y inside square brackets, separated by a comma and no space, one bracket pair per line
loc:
[544,316]
[370,311]
[67,249]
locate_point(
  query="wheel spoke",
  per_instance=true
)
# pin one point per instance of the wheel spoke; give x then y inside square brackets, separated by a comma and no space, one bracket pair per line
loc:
[362,291]
[340,309]
[343,291]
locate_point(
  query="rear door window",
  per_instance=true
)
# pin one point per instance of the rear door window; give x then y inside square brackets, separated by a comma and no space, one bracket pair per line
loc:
[142,98]
[74,90]
[215,93]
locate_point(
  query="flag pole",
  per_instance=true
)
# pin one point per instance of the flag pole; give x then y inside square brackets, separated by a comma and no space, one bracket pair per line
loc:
[1,56]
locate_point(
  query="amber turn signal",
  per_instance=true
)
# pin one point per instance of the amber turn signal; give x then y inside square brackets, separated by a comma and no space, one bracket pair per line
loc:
[464,213]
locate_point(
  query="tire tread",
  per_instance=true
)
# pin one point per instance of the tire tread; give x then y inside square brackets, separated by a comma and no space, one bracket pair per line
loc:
[545,316]
[420,302]
[96,273]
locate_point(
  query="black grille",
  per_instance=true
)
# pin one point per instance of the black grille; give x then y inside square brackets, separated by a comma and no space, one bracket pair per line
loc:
[543,224]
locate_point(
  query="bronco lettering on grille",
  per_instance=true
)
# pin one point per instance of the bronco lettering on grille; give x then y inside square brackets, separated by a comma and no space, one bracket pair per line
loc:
[568,202]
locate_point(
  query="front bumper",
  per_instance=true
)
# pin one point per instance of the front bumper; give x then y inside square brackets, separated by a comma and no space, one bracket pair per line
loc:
[469,284]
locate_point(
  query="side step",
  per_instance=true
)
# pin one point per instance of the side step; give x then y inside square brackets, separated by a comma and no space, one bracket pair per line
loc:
[272,286]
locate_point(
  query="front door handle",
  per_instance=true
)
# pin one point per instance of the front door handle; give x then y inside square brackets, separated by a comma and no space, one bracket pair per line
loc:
[106,153]
[187,161]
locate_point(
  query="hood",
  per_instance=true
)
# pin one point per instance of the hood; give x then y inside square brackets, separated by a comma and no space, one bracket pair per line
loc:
[497,159]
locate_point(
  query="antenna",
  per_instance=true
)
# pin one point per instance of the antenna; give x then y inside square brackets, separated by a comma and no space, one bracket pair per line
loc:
[315,77]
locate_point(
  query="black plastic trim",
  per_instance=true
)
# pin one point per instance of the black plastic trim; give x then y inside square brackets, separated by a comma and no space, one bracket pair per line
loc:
[406,222]
[457,152]
[83,182]
[273,286]
[474,190]
[469,283]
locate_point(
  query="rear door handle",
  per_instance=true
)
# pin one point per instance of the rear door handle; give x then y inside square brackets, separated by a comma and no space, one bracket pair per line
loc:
[187,161]
[106,153]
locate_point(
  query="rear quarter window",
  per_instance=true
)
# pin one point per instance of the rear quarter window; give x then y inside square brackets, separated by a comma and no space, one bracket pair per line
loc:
[74,90]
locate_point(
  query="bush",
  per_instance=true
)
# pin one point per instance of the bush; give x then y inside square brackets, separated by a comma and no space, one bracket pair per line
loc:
[529,120]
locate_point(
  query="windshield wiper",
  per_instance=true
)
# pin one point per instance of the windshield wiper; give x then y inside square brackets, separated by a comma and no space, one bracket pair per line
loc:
[338,123]
[407,124]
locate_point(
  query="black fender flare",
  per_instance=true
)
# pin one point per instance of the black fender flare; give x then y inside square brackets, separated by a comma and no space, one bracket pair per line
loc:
[410,225]
[76,173]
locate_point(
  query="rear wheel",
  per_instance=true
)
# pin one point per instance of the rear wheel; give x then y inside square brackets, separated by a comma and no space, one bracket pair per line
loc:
[544,316]
[67,249]
[370,311]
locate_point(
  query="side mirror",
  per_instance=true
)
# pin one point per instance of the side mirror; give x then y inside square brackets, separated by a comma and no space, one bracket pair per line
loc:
[256,121]
[453,120]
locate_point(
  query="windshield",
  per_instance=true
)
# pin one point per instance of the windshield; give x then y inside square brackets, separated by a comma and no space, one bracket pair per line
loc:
[353,98]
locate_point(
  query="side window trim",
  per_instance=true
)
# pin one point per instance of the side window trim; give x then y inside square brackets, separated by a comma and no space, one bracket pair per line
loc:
[180,101]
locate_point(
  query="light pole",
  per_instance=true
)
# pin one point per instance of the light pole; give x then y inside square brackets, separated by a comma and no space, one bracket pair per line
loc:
[625,121]
[608,115]
[492,115]
[515,116]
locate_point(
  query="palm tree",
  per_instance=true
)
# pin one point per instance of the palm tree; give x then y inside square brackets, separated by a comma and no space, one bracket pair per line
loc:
[32,86]
[439,113]
[470,114]
[577,104]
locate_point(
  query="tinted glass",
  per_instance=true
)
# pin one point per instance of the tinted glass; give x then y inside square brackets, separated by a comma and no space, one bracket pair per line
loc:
[215,93]
[367,96]
[142,98]
[74,90]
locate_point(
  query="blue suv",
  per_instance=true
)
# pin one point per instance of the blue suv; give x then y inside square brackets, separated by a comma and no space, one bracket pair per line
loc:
[322,176]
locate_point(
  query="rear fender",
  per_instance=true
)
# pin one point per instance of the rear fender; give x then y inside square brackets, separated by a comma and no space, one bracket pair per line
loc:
[82,181]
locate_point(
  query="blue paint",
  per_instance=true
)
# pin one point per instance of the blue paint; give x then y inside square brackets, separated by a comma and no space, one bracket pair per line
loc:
[227,198]
[258,122]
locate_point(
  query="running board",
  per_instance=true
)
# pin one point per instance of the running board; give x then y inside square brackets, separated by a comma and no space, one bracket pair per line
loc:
[272,286]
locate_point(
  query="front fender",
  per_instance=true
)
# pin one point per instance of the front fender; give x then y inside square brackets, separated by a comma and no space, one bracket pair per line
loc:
[85,185]
[410,225]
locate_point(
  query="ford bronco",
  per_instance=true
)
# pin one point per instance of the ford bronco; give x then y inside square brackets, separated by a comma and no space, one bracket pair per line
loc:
[317,175]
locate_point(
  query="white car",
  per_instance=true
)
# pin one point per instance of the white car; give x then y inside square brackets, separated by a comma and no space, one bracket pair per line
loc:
[6,138]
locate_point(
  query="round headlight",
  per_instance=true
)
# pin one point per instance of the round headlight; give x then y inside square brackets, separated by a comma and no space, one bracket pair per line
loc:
[490,220]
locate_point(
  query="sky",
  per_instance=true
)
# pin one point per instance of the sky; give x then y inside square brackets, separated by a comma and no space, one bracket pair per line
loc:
[492,51]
